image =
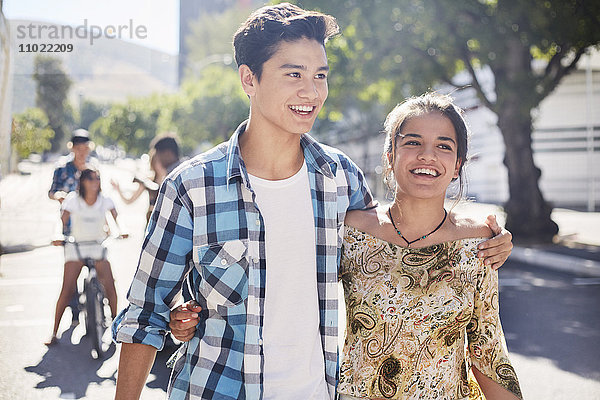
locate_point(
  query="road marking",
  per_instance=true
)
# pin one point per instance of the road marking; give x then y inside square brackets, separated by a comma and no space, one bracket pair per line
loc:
[586,281]
[508,282]
[15,308]
[556,261]
[516,282]
[20,323]
[30,281]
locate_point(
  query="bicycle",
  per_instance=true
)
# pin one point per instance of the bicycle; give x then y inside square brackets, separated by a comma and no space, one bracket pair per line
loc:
[92,300]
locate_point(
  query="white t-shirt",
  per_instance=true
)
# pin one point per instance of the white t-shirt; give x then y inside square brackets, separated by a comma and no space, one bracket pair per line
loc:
[294,361]
[87,221]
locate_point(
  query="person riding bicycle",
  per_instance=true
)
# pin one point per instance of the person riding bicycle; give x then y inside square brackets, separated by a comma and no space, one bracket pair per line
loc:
[86,209]
[65,180]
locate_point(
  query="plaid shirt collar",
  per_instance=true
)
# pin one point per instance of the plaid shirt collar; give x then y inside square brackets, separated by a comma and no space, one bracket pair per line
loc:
[313,154]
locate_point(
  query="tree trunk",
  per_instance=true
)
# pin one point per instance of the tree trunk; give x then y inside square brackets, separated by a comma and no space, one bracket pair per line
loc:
[528,214]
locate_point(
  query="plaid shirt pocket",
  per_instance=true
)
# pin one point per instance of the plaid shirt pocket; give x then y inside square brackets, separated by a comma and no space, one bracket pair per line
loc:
[224,271]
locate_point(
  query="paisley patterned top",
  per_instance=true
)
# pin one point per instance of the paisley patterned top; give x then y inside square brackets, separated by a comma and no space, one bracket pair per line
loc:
[417,319]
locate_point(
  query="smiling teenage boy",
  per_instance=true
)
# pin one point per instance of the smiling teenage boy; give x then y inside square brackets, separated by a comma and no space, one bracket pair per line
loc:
[255,223]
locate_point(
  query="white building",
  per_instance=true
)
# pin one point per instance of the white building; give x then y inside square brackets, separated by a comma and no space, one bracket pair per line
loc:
[565,140]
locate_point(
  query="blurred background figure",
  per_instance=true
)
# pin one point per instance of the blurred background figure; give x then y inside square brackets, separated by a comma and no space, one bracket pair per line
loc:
[86,208]
[150,184]
[66,174]
[166,150]
[164,158]
[66,180]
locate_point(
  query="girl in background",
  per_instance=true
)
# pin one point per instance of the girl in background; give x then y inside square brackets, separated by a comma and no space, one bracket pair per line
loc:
[145,184]
[86,208]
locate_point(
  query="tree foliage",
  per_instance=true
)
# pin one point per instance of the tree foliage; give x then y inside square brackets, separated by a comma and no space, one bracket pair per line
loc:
[31,132]
[131,125]
[210,108]
[390,49]
[52,87]
[210,39]
[205,110]
[91,111]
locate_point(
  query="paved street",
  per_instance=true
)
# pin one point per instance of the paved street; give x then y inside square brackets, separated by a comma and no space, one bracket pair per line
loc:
[550,318]
[29,285]
[552,326]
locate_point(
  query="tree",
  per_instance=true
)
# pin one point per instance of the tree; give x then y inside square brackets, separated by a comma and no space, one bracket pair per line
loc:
[210,39]
[131,125]
[206,110]
[393,48]
[209,108]
[91,111]
[30,132]
[51,95]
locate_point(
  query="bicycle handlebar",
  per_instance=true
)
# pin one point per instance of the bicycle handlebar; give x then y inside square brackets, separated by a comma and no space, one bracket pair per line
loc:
[71,239]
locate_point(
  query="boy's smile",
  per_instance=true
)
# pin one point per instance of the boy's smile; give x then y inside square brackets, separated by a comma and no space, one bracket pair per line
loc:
[291,90]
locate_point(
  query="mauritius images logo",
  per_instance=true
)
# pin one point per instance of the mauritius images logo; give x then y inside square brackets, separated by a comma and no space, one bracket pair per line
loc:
[35,31]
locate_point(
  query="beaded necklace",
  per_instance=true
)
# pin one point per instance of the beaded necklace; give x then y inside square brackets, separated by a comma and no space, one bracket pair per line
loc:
[420,238]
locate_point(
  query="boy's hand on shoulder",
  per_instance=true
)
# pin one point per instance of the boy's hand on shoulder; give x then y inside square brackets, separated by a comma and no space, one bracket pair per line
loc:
[496,250]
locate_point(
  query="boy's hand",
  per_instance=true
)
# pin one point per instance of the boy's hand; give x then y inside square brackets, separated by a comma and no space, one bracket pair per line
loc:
[497,249]
[60,196]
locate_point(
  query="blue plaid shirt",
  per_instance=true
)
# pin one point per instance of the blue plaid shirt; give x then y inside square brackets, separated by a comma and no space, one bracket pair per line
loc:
[66,175]
[65,178]
[206,224]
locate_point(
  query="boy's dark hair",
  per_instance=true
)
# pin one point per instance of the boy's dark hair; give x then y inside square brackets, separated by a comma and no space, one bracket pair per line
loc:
[86,174]
[166,142]
[258,38]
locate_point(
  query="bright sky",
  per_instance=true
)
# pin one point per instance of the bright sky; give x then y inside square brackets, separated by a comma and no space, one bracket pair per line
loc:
[160,17]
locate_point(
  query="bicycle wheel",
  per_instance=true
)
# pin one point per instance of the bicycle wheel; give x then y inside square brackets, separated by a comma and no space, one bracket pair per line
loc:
[94,305]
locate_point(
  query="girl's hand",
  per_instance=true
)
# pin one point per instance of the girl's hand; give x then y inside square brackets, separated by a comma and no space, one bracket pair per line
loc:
[496,250]
[184,319]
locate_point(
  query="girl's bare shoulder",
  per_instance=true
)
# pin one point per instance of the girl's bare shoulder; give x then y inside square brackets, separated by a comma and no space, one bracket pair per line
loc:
[364,220]
[467,227]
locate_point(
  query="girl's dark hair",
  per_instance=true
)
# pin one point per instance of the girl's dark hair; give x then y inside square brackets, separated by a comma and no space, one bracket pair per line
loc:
[258,37]
[414,107]
[86,174]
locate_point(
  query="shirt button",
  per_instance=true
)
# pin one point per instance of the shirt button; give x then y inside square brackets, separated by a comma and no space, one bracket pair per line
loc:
[257,222]
[260,342]
[255,260]
[223,262]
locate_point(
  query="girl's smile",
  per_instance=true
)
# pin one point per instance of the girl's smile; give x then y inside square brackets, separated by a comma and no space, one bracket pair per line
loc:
[425,160]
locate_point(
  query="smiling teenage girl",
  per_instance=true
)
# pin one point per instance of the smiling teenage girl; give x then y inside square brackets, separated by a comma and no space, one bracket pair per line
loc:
[416,294]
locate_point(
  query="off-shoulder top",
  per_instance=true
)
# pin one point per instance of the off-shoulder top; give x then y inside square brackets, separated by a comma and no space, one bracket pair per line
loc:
[417,319]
